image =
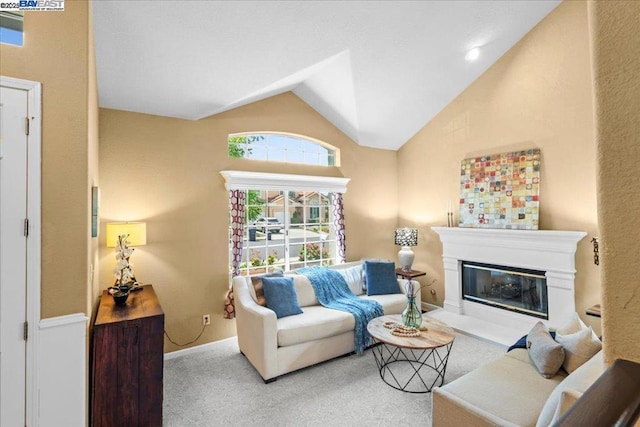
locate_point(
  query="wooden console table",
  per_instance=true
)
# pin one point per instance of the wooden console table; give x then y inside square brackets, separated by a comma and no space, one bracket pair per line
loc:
[127,358]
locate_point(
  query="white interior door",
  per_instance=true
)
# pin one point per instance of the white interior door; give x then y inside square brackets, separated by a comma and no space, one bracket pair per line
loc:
[13,255]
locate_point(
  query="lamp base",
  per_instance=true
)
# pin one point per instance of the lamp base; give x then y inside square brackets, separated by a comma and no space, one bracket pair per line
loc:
[405,258]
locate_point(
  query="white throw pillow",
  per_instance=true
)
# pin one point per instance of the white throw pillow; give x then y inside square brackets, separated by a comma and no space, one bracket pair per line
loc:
[572,326]
[580,380]
[353,277]
[567,398]
[578,348]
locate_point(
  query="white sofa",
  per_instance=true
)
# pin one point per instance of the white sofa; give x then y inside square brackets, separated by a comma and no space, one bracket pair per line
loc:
[510,392]
[278,346]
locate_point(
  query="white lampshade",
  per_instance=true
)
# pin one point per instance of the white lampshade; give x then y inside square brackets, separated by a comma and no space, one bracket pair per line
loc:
[137,232]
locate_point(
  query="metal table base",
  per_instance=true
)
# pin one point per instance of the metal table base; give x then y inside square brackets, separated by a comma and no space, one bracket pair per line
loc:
[411,370]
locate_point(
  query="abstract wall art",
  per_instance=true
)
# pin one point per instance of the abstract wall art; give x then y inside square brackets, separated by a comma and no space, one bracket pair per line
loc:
[501,191]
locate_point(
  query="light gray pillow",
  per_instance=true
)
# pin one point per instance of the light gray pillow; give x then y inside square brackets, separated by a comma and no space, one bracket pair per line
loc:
[545,353]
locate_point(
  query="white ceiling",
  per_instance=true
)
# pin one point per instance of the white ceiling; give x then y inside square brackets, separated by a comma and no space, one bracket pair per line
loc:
[377,70]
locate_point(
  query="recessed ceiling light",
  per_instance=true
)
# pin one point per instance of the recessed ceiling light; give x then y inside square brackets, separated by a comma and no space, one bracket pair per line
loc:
[473,54]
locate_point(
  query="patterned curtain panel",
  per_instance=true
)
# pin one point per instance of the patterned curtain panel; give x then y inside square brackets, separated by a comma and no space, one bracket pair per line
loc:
[236,208]
[338,222]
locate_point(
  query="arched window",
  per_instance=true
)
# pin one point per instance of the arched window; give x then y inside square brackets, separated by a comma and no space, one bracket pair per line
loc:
[282,147]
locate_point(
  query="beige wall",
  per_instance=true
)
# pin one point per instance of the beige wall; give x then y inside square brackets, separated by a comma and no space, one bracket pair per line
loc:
[92,167]
[537,95]
[55,53]
[616,42]
[166,172]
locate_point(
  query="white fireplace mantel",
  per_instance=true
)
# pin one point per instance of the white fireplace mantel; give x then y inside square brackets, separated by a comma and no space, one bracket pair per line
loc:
[551,251]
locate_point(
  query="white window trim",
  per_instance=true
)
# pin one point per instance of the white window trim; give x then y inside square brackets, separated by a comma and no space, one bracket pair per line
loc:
[243,180]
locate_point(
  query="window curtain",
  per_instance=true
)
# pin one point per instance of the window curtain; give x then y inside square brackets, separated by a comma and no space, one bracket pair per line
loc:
[236,209]
[338,222]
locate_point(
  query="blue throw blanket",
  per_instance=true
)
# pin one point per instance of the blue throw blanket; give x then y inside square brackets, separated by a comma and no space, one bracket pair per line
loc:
[333,292]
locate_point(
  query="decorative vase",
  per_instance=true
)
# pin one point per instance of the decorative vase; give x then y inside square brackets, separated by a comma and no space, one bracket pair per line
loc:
[412,316]
[120,297]
[127,287]
[120,293]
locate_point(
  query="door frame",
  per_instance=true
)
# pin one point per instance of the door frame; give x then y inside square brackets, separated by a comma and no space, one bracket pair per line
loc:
[34,164]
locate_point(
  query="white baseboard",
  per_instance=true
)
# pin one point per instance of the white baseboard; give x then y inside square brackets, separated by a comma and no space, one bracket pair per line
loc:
[195,349]
[503,335]
[62,376]
[429,307]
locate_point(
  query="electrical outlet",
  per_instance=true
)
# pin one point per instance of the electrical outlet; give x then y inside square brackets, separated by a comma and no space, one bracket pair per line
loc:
[206,320]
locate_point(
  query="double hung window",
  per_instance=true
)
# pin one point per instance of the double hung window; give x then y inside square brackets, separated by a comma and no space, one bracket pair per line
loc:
[286,229]
[284,222]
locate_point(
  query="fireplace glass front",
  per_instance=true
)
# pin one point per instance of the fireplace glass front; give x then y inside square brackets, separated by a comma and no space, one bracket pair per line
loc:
[514,289]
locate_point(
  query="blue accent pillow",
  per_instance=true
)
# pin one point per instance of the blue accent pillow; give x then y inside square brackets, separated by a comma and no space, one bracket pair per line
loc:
[381,277]
[281,296]
[522,342]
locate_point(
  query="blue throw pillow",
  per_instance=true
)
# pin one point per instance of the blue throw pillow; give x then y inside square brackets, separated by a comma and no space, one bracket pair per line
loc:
[258,292]
[381,278]
[522,342]
[281,296]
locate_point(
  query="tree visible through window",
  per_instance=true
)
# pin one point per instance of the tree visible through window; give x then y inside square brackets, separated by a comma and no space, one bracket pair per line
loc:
[281,147]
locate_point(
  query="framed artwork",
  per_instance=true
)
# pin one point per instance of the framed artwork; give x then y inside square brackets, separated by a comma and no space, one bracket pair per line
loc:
[501,191]
[95,199]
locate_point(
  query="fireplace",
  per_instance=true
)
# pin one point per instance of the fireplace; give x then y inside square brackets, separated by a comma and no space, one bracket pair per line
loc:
[534,266]
[507,288]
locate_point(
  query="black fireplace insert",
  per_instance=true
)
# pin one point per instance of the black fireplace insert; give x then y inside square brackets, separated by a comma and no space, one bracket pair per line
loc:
[514,289]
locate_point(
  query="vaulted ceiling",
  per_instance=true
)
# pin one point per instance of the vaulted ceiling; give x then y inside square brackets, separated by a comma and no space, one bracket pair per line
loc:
[377,70]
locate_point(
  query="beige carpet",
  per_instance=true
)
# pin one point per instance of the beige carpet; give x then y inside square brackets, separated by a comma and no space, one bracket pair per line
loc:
[219,387]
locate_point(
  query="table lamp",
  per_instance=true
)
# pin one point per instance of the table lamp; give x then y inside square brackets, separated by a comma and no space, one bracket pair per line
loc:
[121,235]
[406,237]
